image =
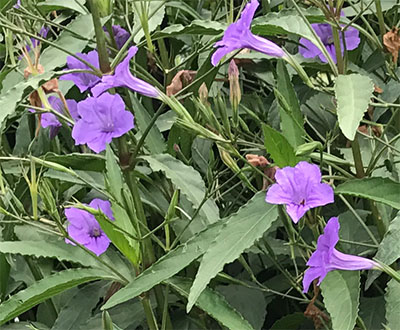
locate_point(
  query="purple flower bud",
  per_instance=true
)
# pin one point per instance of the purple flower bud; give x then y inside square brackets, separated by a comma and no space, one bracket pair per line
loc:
[122,77]
[300,188]
[84,228]
[83,80]
[326,258]
[121,36]
[238,35]
[102,119]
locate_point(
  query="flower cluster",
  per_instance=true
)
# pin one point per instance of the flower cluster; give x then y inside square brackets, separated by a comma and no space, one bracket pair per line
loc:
[300,189]
[84,228]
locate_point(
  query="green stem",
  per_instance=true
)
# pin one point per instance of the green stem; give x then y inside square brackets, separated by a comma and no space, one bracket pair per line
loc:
[148,311]
[100,38]
[381,19]
[355,148]
[338,49]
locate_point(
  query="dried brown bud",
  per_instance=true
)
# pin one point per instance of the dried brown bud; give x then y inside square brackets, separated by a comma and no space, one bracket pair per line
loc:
[257,160]
[181,79]
[203,94]
[391,40]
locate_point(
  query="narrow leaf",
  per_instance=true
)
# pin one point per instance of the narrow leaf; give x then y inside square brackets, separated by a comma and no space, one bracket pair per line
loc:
[378,189]
[353,94]
[167,266]
[291,117]
[280,149]
[212,303]
[47,288]
[388,250]
[392,298]
[238,233]
[341,292]
[187,180]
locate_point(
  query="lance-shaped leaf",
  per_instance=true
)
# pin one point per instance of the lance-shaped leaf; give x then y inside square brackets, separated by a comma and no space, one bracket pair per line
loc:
[353,94]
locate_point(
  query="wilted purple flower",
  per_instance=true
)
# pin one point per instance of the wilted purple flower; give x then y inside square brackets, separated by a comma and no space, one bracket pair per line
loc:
[120,35]
[84,228]
[102,119]
[50,120]
[18,4]
[327,258]
[122,77]
[238,35]
[300,188]
[83,80]
[324,32]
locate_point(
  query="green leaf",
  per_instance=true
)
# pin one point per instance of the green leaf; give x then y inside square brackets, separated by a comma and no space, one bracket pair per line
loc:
[79,308]
[9,99]
[392,298]
[212,303]
[197,27]
[59,250]
[353,94]
[153,22]
[388,249]
[289,322]
[341,292]
[280,149]
[238,233]
[51,5]
[378,189]
[167,266]
[291,117]
[114,175]
[187,180]
[76,161]
[154,140]
[47,288]
[53,57]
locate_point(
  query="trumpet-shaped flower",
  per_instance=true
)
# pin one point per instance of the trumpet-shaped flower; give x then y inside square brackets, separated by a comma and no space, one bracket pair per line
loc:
[102,119]
[324,32]
[300,188]
[238,35]
[326,258]
[122,77]
[84,228]
[83,80]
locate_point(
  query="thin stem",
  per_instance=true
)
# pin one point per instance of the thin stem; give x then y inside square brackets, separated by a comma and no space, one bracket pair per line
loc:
[355,148]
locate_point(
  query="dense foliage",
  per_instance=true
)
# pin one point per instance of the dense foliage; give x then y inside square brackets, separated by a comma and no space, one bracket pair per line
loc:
[199,164]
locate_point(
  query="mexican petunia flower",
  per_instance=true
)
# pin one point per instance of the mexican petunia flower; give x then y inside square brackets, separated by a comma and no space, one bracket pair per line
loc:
[50,120]
[84,228]
[324,32]
[122,77]
[83,80]
[102,119]
[300,188]
[327,258]
[120,35]
[238,35]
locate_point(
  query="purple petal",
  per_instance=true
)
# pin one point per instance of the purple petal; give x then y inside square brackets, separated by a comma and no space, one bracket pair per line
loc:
[320,194]
[123,78]
[98,245]
[276,195]
[309,50]
[344,261]
[310,275]
[296,211]
[248,13]
[352,38]
[104,206]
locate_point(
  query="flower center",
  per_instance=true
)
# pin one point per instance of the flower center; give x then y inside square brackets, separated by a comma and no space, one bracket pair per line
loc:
[330,41]
[108,127]
[302,202]
[96,232]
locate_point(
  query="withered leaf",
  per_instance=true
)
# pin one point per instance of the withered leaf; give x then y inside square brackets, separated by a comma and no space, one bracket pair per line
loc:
[391,40]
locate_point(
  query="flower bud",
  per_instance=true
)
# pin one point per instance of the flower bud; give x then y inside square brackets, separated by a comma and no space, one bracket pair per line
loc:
[234,87]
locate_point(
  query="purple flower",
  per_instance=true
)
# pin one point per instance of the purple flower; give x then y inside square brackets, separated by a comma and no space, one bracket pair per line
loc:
[123,78]
[102,118]
[300,188]
[120,35]
[327,258]
[324,32]
[238,35]
[50,120]
[83,80]
[84,228]
[18,4]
